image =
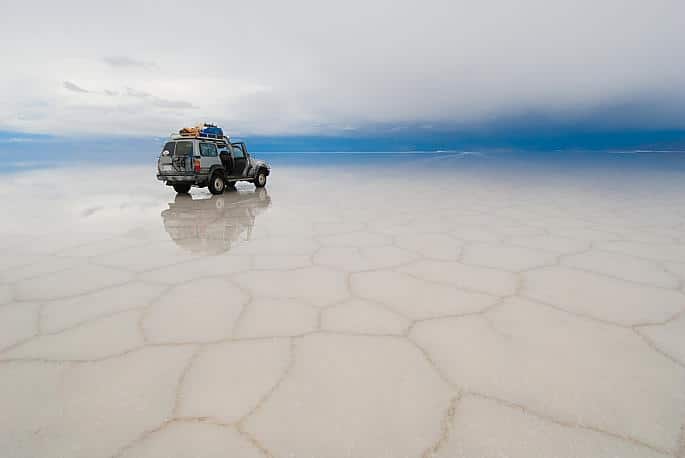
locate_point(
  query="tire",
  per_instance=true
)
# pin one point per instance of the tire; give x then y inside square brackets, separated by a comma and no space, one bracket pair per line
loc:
[260,179]
[217,184]
[182,188]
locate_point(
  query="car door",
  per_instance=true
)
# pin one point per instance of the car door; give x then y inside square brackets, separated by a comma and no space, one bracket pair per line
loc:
[239,161]
[226,157]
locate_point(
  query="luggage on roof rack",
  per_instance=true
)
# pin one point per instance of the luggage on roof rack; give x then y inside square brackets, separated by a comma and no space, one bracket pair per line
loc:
[212,131]
[190,131]
[206,131]
[223,139]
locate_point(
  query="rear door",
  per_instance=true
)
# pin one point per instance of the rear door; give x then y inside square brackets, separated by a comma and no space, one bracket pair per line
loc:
[176,157]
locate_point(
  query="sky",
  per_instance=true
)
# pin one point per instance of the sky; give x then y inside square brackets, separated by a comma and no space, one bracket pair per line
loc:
[355,68]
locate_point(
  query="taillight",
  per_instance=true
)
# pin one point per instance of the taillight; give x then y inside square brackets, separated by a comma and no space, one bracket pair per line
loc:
[197,165]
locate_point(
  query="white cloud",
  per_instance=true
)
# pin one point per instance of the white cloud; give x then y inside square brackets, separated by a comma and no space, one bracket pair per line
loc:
[308,66]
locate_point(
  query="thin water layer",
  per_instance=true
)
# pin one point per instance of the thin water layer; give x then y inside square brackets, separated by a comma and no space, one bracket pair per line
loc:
[357,307]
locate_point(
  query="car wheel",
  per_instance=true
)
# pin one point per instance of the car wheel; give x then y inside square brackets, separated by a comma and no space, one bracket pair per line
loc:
[260,179]
[217,184]
[182,188]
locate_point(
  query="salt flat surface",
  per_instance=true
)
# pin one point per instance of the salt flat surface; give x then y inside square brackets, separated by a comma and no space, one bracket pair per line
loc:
[457,313]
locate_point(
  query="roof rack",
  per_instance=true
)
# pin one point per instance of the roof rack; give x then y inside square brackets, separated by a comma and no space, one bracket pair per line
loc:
[200,136]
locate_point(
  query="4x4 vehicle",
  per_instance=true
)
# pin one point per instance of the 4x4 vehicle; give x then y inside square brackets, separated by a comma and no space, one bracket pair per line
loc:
[208,162]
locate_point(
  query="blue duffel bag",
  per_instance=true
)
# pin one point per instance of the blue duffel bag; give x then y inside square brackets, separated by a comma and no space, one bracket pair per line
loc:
[213,132]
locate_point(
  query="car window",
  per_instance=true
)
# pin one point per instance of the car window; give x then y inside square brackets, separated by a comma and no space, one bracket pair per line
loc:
[238,152]
[184,148]
[208,149]
[171,147]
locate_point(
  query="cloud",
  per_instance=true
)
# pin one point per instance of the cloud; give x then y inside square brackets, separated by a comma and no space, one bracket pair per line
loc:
[136,93]
[316,67]
[157,101]
[164,103]
[73,87]
[123,61]
[150,99]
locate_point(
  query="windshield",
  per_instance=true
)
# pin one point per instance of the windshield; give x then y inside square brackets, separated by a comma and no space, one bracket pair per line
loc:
[184,148]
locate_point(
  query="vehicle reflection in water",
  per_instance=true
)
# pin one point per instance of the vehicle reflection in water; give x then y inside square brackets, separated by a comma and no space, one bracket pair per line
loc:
[212,225]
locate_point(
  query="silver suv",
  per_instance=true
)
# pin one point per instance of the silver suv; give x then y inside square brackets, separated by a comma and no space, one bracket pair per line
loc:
[214,163]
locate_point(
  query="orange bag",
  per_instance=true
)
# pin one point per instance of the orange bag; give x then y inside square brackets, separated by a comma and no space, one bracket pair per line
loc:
[189,132]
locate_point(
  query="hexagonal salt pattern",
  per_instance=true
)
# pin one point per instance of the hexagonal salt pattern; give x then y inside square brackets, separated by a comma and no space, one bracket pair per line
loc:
[90,409]
[195,311]
[183,439]
[368,389]
[488,428]
[227,381]
[602,297]
[582,365]
[488,313]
